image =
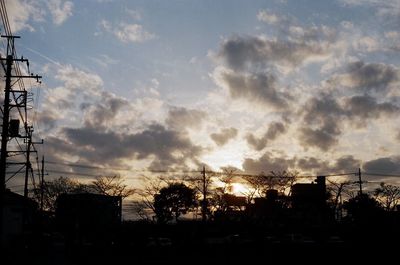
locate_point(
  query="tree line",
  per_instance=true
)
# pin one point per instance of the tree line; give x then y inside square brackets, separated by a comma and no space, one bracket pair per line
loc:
[166,199]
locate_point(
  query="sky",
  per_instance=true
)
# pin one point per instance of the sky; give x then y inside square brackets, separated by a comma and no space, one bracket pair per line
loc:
[129,86]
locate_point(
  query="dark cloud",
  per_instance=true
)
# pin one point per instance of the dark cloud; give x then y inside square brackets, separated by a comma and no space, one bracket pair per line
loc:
[261,88]
[322,116]
[365,107]
[318,109]
[267,163]
[179,117]
[241,53]
[309,164]
[102,111]
[361,109]
[344,164]
[323,138]
[167,147]
[305,165]
[275,129]
[224,136]
[46,121]
[384,165]
[371,77]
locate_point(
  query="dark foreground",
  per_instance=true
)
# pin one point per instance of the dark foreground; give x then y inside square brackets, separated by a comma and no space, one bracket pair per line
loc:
[196,243]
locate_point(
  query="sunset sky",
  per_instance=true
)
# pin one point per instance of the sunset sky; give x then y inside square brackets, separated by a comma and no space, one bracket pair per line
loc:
[302,85]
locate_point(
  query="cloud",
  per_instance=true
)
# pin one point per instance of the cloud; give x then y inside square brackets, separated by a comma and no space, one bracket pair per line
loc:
[366,107]
[367,43]
[388,9]
[323,117]
[166,147]
[79,99]
[253,52]
[323,138]
[269,17]
[312,164]
[250,65]
[224,136]
[20,12]
[343,164]
[305,165]
[181,118]
[103,112]
[60,10]
[274,130]
[384,165]
[134,33]
[370,77]
[77,79]
[267,163]
[47,121]
[318,109]
[104,60]
[258,87]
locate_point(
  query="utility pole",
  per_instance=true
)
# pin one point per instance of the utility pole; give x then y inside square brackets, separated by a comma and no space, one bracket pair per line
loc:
[42,185]
[359,180]
[5,134]
[204,203]
[28,165]
[4,139]
[28,162]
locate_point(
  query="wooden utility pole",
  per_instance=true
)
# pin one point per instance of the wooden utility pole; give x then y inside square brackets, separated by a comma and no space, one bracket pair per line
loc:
[28,162]
[204,202]
[42,185]
[5,134]
[359,180]
[4,139]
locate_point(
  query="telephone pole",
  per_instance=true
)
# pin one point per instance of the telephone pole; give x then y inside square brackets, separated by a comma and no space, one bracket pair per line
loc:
[5,134]
[28,162]
[204,202]
[4,139]
[42,185]
[359,180]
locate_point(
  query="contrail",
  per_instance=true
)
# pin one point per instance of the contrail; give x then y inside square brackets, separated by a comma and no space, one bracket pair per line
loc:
[43,56]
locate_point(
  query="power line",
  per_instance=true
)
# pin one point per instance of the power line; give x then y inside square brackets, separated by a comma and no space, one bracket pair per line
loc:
[71,173]
[82,166]
[381,174]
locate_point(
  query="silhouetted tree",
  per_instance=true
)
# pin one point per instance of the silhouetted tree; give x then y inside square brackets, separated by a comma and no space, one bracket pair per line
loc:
[278,180]
[56,187]
[112,186]
[172,201]
[362,208]
[203,185]
[144,208]
[388,196]
[225,180]
[337,190]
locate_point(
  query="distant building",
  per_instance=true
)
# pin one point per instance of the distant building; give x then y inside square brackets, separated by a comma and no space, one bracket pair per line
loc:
[233,208]
[234,202]
[270,209]
[87,214]
[18,216]
[309,200]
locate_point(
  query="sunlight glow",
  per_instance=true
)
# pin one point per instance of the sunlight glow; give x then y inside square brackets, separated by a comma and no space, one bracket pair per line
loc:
[240,189]
[230,155]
